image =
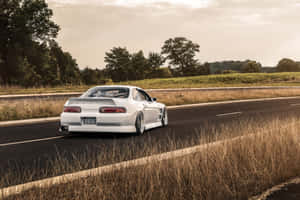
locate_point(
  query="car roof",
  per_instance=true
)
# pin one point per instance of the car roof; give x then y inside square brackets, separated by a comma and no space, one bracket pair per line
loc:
[121,86]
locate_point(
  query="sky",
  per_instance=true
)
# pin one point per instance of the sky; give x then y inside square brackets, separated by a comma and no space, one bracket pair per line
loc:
[261,30]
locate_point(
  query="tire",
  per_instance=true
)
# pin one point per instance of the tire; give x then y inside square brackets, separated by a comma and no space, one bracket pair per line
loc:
[139,124]
[164,119]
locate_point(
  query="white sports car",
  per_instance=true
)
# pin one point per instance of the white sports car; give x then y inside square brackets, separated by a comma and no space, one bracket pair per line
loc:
[113,109]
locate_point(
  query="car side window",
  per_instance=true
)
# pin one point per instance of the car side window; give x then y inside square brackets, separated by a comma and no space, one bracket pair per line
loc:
[137,95]
[145,96]
[141,96]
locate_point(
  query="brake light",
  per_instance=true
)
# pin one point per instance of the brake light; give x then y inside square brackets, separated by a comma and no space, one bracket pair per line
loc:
[112,110]
[72,109]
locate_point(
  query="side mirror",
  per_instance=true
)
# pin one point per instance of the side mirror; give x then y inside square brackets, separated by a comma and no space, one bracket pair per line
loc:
[154,99]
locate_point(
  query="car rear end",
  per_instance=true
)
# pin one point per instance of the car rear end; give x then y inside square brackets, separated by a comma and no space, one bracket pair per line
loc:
[103,115]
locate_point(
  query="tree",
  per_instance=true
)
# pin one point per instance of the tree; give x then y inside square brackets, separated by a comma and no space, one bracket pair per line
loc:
[123,66]
[64,65]
[155,61]
[220,67]
[22,22]
[164,72]
[31,77]
[203,69]
[138,67]
[40,58]
[90,76]
[287,65]
[117,64]
[181,54]
[251,67]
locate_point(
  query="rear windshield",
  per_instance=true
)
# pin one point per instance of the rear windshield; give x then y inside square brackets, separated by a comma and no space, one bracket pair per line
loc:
[111,92]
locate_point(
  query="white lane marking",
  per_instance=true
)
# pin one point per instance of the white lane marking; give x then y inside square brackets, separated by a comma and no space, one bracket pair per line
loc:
[297,104]
[66,178]
[227,114]
[30,141]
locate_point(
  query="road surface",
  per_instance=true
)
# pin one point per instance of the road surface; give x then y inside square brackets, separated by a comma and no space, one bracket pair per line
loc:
[33,152]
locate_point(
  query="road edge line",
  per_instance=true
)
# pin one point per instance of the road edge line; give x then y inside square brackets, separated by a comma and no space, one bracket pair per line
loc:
[28,121]
[267,193]
[17,189]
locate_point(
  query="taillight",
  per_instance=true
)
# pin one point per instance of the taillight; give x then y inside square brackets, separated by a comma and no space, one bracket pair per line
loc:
[112,110]
[72,109]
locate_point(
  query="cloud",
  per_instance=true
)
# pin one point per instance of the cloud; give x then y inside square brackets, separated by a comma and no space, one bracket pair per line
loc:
[226,29]
[136,3]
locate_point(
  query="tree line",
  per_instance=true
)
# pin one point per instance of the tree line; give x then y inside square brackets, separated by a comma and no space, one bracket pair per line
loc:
[30,56]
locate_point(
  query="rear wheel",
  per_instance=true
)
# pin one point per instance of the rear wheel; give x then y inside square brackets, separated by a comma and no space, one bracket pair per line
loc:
[164,119]
[139,124]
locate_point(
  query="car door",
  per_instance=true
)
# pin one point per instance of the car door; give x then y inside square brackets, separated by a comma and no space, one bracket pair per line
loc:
[151,107]
[141,100]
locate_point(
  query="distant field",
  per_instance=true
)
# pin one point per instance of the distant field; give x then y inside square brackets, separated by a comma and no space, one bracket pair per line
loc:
[224,80]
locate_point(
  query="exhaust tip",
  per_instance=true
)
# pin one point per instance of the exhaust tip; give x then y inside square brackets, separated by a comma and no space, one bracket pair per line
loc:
[64,130]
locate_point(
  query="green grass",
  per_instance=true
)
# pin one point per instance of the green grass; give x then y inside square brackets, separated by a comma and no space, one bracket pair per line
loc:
[224,80]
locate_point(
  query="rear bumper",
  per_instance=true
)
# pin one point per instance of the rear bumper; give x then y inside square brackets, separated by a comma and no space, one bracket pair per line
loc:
[105,123]
[102,129]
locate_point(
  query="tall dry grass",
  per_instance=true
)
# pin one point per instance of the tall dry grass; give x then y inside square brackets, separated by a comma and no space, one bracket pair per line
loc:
[26,109]
[190,97]
[13,90]
[236,169]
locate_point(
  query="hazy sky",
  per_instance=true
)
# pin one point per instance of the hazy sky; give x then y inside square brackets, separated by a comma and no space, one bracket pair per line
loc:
[263,30]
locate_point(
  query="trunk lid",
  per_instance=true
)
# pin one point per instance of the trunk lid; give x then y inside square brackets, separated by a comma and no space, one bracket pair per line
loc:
[90,104]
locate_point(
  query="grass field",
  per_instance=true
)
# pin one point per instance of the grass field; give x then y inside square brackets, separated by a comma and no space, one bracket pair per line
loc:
[28,109]
[233,170]
[225,80]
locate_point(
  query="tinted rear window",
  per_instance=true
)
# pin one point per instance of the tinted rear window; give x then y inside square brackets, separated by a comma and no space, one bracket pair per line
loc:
[108,92]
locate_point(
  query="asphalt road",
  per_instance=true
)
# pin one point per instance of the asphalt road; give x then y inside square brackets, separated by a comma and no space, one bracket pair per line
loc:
[290,192]
[34,151]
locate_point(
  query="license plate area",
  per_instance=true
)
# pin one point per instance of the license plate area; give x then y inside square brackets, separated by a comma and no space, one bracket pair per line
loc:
[88,120]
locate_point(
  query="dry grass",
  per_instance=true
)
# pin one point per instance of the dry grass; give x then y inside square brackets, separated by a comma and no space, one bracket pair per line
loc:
[233,170]
[7,90]
[26,109]
[180,98]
